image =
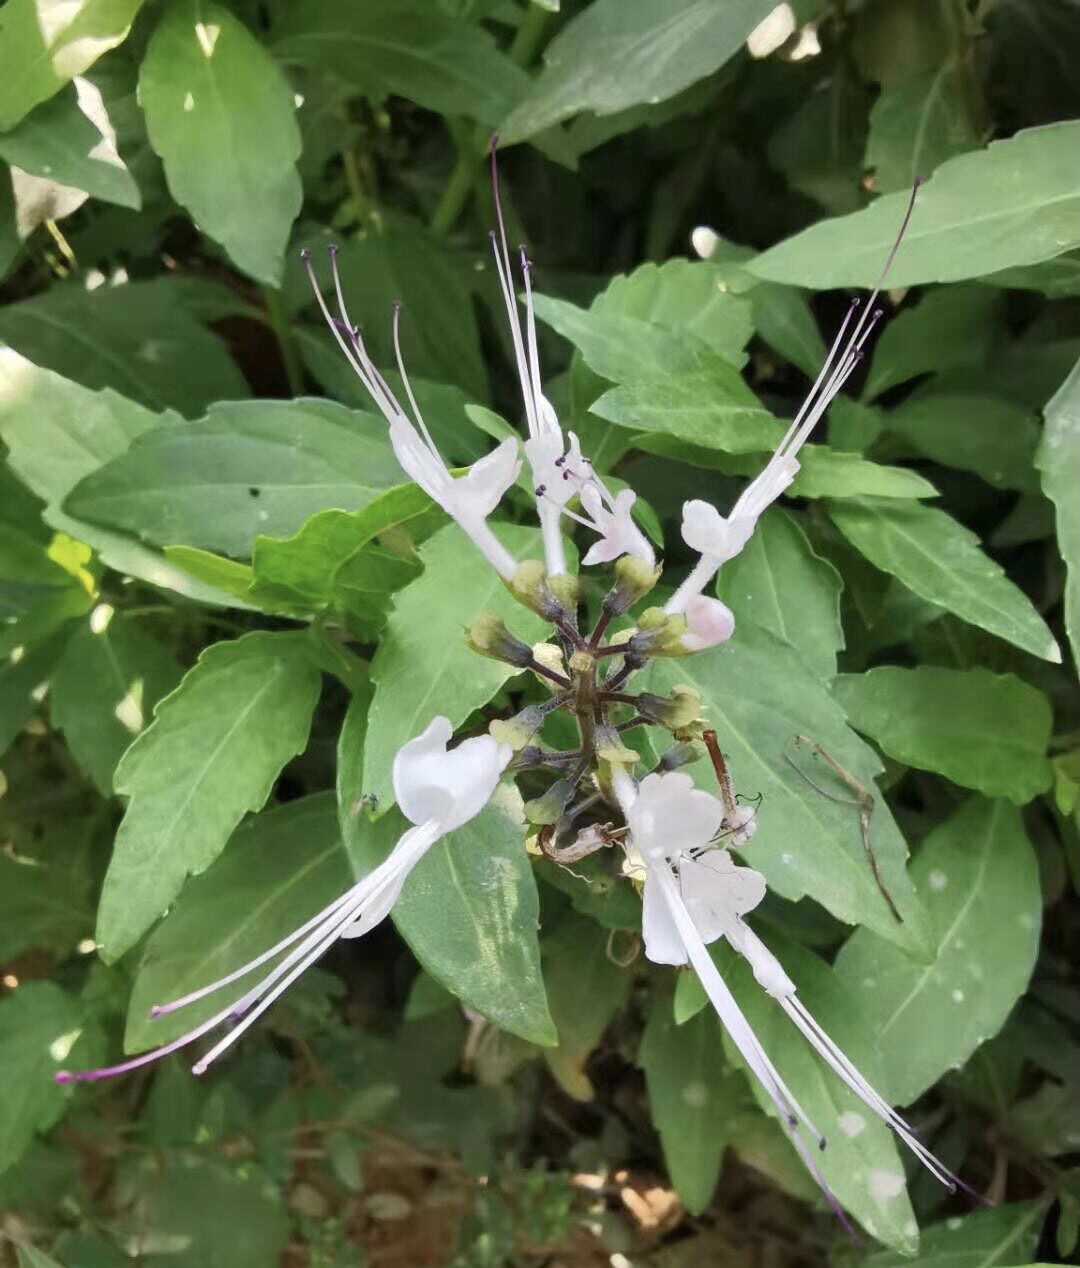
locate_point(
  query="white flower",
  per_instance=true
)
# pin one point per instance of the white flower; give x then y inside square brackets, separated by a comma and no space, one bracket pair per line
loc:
[468,500]
[610,518]
[693,896]
[438,790]
[718,538]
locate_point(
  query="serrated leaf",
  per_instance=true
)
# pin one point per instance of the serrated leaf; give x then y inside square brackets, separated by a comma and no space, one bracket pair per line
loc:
[104,690]
[246,468]
[1058,460]
[943,563]
[1016,202]
[423,666]
[212,753]
[332,559]
[46,43]
[280,868]
[995,438]
[779,584]
[985,731]
[978,877]
[620,53]
[406,48]
[984,1239]
[220,114]
[469,911]
[694,1099]
[585,988]
[917,125]
[862,1162]
[59,141]
[758,696]
[133,338]
[950,326]
[40,1031]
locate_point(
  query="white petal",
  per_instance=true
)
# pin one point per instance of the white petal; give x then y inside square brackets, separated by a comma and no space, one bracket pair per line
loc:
[480,491]
[708,532]
[709,622]
[717,892]
[418,462]
[671,816]
[450,787]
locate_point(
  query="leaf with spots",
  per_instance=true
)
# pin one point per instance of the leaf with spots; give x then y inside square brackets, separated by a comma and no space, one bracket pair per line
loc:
[694,1098]
[470,911]
[1005,1234]
[978,876]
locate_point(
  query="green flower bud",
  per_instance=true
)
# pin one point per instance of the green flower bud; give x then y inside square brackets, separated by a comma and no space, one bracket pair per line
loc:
[489,636]
[678,712]
[659,633]
[610,748]
[681,755]
[634,578]
[518,730]
[549,807]
[529,585]
[551,657]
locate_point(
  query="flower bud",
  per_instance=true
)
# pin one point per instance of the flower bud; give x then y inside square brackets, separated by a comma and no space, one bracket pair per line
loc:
[634,578]
[659,633]
[489,636]
[677,712]
[518,730]
[565,588]
[610,748]
[551,657]
[529,585]
[581,662]
[681,755]
[549,807]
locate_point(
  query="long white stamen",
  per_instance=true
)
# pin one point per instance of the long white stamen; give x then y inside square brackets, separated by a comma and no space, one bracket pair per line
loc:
[408,386]
[530,331]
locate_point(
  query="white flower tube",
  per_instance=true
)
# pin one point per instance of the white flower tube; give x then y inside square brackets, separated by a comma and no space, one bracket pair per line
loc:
[468,500]
[438,790]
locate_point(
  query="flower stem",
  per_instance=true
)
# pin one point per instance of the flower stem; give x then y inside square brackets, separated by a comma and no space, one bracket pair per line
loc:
[279,321]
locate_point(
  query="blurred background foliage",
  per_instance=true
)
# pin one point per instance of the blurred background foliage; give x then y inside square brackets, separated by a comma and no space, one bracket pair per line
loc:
[166,490]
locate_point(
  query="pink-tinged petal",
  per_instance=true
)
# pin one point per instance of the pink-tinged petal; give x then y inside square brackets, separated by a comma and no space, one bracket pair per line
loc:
[709,622]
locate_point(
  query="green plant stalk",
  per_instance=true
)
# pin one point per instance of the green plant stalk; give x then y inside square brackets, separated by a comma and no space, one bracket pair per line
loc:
[279,322]
[459,187]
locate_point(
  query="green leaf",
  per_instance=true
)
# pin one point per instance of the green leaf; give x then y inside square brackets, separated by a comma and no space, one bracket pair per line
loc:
[758,696]
[220,113]
[950,326]
[784,319]
[585,989]
[57,432]
[59,141]
[861,1164]
[1016,202]
[621,53]
[21,679]
[10,244]
[819,147]
[985,731]
[134,338]
[423,666]
[247,468]
[917,125]
[469,911]
[280,868]
[1056,279]
[331,560]
[212,753]
[942,562]
[779,585]
[1058,460]
[104,689]
[978,876]
[691,297]
[693,1098]
[46,43]
[405,48]
[44,903]
[993,437]
[1005,1234]
[40,1031]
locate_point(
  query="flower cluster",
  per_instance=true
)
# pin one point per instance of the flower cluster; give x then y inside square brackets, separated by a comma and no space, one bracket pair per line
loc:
[675,836]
